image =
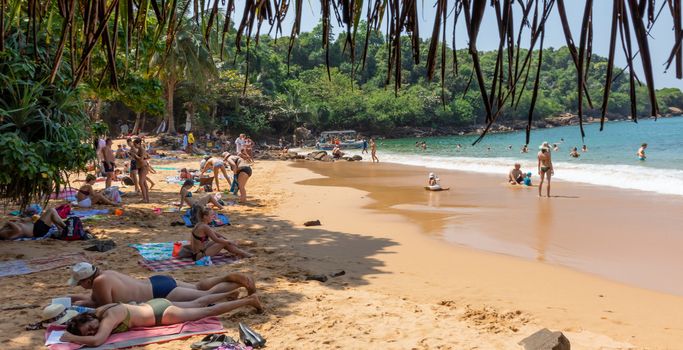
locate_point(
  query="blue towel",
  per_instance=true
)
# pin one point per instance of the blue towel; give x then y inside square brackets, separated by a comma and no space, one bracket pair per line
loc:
[88,213]
[155,251]
[224,219]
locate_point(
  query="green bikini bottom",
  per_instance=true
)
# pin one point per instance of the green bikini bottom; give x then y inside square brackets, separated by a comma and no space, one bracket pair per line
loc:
[159,305]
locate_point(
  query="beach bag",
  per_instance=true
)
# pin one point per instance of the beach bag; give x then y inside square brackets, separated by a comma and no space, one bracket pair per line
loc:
[74,230]
[63,210]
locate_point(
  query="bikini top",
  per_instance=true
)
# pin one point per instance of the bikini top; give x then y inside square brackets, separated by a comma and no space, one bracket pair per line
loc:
[201,239]
[124,326]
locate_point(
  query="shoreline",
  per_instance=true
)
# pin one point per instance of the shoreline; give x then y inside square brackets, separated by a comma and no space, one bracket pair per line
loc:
[403,286]
[558,297]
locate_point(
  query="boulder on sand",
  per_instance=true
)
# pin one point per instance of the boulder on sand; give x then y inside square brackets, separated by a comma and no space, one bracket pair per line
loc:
[544,339]
[357,158]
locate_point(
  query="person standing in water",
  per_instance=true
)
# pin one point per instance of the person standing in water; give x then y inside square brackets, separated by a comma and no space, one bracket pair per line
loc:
[574,153]
[545,168]
[373,151]
[641,151]
[584,148]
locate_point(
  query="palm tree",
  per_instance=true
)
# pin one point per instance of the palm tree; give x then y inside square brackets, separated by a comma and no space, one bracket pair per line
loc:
[185,59]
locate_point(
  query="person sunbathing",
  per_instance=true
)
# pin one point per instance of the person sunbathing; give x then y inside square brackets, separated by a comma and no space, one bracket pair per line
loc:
[87,196]
[93,329]
[206,242]
[187,198]
[109,286]
[26,228]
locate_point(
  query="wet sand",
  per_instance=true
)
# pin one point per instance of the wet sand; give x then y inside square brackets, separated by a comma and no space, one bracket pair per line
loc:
[592,261]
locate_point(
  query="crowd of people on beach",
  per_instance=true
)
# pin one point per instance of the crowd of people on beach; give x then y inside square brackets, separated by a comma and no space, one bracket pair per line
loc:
[157,300]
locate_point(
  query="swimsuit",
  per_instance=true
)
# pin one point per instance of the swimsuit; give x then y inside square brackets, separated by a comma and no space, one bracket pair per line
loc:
[40,228]
[162,285]
[84,192]
[244,169]
[544,169]
[124,326]
[108,166]
[159,306]
[201,251]
[133,165]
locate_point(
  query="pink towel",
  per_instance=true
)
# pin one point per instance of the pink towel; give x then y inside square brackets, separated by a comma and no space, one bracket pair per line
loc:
[153,334]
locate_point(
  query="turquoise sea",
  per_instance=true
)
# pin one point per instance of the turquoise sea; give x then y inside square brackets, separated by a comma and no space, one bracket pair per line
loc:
[610,160]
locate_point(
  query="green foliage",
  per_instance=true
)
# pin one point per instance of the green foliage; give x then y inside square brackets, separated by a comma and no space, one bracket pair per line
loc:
[43,129]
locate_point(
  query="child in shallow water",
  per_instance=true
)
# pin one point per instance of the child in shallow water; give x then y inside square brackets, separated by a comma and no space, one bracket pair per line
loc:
[527,179]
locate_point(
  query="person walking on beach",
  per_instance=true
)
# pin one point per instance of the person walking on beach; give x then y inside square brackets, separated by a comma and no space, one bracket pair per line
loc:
[641,151]
[141,162]
[373,151]
[108,162]
[133,170]
[545,167]
[365,146]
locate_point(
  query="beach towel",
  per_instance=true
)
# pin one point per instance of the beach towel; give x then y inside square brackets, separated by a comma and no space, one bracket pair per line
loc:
[175,180]
[84,214]
[52,233]
[159,257]
[143,335]
[166,167]
[66,193]
[23,267]
[220,220]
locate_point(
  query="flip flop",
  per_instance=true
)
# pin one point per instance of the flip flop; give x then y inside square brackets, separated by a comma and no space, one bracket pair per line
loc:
[215,343]
[208,339]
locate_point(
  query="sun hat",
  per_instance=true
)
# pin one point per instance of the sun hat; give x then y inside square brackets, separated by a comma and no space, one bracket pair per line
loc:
[81,271]
[58,314]
[432,175]
[545,145]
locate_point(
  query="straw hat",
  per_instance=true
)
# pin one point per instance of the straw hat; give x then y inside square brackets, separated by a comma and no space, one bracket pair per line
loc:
[81,271]
[432,175]
[58,312]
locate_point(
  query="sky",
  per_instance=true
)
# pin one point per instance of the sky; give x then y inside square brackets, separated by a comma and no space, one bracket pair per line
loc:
[660,42]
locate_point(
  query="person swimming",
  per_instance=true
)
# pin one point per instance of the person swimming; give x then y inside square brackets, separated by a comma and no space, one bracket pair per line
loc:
[574,153]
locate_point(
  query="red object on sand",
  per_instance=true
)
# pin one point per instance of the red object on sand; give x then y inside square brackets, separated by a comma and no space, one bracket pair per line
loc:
[176,248]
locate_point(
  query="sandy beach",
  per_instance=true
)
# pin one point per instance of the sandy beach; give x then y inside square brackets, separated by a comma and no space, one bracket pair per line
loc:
[478,267]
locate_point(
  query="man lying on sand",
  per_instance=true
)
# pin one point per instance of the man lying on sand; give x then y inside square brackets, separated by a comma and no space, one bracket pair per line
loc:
[110,286]
[26,228]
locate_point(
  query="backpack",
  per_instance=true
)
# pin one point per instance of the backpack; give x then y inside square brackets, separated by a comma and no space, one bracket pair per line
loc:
[74,230]
[63,210]
[194,212]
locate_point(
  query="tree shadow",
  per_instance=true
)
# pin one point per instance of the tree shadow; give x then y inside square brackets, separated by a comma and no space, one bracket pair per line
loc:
[284,256]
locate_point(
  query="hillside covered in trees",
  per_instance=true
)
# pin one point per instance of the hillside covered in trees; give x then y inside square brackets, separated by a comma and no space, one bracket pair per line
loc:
[279,96]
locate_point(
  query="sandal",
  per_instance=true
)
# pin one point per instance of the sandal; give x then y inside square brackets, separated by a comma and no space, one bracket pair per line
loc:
[250,338]
[208,339]
[215,343]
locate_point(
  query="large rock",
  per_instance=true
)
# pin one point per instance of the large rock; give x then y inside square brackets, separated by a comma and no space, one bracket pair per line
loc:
[319,155]
[544,339]
[357,158]
[292,154]
[326,158]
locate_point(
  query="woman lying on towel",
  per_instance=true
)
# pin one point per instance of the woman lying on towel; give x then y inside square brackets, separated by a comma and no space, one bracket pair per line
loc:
[206,242]
[93,329]
[87,196]
[187,198]
[27,228]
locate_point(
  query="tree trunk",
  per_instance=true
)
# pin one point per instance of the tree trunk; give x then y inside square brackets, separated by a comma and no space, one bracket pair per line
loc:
[136,127]
[170,121]
[142,123]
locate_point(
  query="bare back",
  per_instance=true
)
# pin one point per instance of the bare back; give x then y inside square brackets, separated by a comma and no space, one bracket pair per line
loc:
[113,287]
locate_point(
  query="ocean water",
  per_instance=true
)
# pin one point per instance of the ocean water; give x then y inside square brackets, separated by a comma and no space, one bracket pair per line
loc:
[610,160]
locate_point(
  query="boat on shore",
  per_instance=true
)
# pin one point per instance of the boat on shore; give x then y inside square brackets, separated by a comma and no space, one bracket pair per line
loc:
[345,139]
